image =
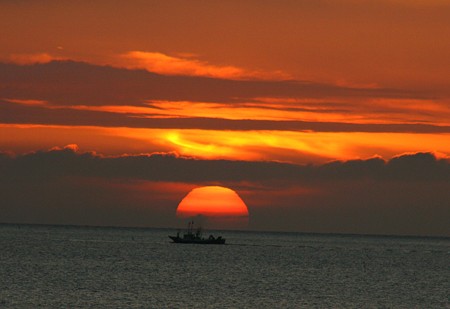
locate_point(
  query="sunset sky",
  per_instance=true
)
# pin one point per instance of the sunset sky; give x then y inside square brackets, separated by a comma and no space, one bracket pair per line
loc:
[324,116]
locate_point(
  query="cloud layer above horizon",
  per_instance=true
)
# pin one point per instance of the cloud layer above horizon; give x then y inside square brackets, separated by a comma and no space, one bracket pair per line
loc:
[64,185]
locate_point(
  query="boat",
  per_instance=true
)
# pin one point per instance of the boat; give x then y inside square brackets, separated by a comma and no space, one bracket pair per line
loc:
[191,237]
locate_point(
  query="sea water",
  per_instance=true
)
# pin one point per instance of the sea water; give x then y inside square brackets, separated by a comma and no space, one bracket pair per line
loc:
[88,267]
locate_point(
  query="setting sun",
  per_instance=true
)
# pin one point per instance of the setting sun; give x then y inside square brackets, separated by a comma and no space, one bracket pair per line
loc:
[213,202]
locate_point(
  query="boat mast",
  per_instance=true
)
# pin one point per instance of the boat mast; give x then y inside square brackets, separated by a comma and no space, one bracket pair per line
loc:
[190,226]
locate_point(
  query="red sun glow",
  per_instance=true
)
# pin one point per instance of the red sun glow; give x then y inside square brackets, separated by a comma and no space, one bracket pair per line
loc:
[212,201]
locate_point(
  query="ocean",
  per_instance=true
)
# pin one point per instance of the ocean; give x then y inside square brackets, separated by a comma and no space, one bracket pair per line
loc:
[100,267]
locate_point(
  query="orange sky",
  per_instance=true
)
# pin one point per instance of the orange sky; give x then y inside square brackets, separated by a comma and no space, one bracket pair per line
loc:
[395,53]
[386,43]
[299,82]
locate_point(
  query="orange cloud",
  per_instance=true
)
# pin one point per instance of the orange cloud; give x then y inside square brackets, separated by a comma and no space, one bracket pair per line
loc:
[24,59]
[72,147]
[298,147]
[169,65]
[27,102]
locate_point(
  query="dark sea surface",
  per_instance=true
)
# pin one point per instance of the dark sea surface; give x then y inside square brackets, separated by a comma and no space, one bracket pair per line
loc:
[88,267]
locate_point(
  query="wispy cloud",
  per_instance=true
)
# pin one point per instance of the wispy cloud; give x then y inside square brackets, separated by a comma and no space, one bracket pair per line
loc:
[28,102]
[14,113]
[170,65]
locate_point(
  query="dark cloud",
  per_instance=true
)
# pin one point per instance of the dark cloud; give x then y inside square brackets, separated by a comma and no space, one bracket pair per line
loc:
[170,167]
[408,194]
[75,83]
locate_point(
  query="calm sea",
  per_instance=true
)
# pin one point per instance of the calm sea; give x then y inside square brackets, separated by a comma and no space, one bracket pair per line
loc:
[86,267]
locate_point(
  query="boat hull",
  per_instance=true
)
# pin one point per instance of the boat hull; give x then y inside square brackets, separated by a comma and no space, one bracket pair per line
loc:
[202,241]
